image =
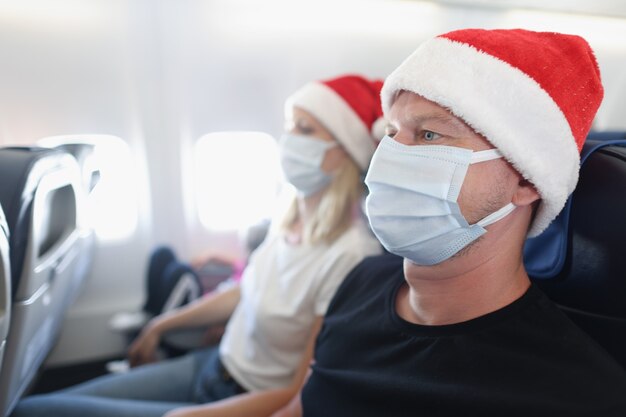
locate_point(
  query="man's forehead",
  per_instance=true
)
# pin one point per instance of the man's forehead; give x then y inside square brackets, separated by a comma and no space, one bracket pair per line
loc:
[411,107]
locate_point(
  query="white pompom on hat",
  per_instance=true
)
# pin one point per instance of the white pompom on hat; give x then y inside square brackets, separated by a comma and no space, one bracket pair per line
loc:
[349,107]
[533,95]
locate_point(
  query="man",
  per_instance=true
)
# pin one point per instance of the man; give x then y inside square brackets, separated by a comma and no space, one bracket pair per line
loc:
[485,129]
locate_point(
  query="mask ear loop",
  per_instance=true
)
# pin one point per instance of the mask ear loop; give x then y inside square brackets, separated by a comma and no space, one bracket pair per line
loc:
[497,215]
[330,145]
[483,156]
[488,155]
[327,146]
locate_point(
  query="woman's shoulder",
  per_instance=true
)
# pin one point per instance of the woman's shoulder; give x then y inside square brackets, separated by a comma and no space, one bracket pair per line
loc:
[358,239]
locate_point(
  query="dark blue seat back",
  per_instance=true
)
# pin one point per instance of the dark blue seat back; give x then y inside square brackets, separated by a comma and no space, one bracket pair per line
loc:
[580,260]
[607,135]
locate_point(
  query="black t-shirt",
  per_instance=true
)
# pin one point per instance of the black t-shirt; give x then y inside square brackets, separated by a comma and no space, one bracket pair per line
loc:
[526,359]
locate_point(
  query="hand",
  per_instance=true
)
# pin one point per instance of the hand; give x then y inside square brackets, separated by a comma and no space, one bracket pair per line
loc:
[177,412]
[143,349]
[292,409]
[204,410]
[199,261]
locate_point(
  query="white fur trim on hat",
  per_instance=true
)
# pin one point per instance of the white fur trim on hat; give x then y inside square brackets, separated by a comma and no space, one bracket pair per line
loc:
[338,117]
[378,129]
[503,104]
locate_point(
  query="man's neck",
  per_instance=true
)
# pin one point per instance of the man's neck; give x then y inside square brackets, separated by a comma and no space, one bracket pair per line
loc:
[463,288]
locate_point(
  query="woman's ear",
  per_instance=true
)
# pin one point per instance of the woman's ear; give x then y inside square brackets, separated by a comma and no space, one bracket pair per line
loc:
[526,193]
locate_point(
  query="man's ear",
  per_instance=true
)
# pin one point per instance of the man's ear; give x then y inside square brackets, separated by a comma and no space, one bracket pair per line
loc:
[526,193]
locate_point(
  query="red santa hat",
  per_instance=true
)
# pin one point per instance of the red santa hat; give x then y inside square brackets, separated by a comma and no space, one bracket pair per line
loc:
[349,107]
[533,95]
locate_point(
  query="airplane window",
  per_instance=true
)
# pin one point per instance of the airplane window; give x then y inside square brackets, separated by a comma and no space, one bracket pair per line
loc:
[113,204]
[236,179]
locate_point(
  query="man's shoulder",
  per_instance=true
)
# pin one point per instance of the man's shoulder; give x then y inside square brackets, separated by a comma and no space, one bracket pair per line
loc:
[369,276]
[374,266]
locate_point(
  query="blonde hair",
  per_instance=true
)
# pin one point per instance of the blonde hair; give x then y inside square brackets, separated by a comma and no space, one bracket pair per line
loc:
[335,211]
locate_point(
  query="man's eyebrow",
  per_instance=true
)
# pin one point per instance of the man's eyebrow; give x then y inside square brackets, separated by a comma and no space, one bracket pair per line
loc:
[449,120]
[437,117]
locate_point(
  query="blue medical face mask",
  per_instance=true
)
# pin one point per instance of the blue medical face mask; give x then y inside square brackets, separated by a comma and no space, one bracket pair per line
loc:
[301,158]
[412,205]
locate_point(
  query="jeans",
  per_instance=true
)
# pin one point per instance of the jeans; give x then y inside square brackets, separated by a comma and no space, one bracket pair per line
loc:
[146,391]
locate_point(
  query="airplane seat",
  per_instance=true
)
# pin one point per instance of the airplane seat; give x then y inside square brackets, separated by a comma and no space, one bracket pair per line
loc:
[180,287]
[90,177]
[605,135]
[580,260]
[181,341]
[40,193]
[5,284]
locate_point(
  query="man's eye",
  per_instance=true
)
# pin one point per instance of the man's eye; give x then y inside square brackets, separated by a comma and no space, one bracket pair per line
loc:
[428,135]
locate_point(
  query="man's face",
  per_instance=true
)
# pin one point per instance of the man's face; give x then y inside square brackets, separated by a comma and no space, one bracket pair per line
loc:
[488,186]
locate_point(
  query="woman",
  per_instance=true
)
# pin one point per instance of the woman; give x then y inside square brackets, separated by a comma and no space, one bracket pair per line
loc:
[274,315]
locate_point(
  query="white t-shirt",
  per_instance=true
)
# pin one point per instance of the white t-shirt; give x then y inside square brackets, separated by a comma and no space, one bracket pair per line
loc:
[283,289]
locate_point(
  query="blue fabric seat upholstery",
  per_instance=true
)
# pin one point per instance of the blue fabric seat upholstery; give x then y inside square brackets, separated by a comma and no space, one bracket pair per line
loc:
[580,260]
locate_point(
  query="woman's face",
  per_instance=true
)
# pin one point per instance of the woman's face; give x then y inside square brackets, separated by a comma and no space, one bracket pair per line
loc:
[303,123]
